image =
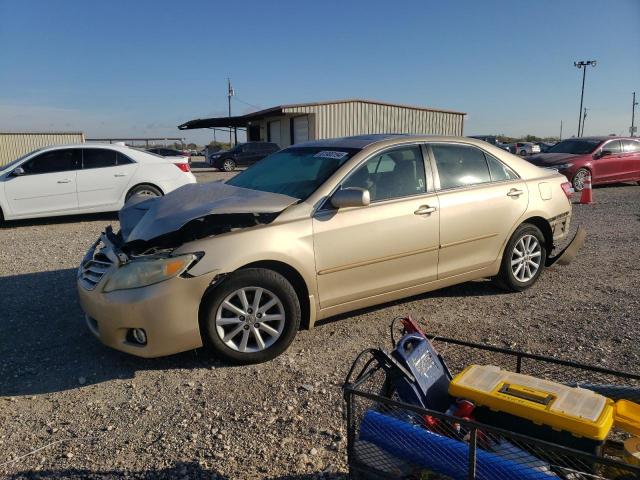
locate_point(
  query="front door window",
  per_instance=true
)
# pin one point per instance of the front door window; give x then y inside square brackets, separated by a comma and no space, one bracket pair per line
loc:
[392,174]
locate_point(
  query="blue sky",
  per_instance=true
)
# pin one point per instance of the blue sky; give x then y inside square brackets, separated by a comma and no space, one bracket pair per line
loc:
[139,68]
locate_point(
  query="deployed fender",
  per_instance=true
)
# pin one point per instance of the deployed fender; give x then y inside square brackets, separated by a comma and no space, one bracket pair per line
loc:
[568,253]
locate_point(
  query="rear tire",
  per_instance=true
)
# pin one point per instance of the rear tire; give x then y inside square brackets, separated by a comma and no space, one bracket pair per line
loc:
[144,190]
[234,321]
[228,165]
[523,259]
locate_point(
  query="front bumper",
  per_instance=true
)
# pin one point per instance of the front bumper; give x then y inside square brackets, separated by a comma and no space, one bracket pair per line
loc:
[167,311]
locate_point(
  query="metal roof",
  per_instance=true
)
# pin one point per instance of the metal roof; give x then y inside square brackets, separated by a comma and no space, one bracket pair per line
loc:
[242,120]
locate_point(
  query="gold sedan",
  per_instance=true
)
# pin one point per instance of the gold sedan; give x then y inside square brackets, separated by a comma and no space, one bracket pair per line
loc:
[315,230]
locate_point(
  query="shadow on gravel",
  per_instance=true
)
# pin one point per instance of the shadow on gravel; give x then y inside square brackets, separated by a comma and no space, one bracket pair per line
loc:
[181,470]
[476,288]
[45,346]
[92,217]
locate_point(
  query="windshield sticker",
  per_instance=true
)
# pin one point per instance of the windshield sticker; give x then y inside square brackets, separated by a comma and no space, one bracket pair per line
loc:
[330,154]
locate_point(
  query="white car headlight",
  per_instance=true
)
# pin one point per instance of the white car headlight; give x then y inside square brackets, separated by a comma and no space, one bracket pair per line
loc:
[140,273]
[215,156]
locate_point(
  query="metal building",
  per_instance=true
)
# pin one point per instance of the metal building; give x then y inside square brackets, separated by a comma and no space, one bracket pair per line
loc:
[14,145]
[295,123]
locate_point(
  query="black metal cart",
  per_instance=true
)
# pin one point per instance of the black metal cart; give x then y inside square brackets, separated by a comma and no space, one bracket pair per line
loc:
[390,439]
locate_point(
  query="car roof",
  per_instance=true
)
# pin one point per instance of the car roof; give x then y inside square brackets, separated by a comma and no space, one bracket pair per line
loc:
[122,148]
[387,139]
[601,138]
[356,141]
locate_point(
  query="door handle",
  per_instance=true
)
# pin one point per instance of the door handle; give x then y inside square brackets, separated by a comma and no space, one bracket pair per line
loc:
[425,210]
[514,192]
[66,180]
[120,175]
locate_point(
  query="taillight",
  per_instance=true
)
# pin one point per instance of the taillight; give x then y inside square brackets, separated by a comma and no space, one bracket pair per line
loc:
[183,166]
[568,190]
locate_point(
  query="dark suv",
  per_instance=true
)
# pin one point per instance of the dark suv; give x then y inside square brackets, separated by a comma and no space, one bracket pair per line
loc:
[242,154]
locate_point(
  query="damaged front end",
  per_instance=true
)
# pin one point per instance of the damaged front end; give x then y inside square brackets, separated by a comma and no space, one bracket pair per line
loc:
[193,212]
[152,228]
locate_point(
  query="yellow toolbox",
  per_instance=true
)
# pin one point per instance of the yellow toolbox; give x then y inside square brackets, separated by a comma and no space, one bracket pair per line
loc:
[578,411]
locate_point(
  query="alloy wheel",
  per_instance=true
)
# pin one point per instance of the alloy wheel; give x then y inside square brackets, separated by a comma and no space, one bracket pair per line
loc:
[526,258]
[146,193]
[579,178]
[250,319]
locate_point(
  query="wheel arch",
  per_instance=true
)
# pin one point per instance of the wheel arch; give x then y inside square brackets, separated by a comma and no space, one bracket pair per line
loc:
[295,279]
[545,227]
[287,271]
[150,184]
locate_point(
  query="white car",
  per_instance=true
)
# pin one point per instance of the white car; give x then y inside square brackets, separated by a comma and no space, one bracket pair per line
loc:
[526,148]
[84,178]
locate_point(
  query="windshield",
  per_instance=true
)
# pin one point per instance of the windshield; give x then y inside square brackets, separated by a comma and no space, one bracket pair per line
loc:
[578,147]
[296,172]
[18,160]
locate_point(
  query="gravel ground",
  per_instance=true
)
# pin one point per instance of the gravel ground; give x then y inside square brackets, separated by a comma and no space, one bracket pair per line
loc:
[97,413]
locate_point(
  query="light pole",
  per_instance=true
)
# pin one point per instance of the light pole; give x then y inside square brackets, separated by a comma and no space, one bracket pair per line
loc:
[561,130]
[583,64]
[230,93]
[584,118]
[633,115]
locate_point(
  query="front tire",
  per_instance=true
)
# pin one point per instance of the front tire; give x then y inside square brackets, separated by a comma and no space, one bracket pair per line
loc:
[579,178]
[252,317]
[523,259]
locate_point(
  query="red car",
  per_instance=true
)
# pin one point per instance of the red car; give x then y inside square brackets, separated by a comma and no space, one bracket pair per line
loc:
[606,159]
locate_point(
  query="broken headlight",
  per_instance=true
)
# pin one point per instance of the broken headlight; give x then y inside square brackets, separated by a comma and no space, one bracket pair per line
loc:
[140,273]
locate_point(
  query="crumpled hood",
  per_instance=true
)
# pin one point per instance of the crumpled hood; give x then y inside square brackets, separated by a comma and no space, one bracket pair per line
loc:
[548,159]
[145,219]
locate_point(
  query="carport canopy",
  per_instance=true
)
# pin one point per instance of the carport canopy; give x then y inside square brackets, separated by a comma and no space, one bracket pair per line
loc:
[230,122]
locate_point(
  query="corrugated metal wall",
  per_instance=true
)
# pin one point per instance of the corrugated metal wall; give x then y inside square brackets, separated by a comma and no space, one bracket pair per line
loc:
[356,118]
[14,145]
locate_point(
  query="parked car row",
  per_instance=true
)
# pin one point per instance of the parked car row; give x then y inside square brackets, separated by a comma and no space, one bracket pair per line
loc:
[85,178]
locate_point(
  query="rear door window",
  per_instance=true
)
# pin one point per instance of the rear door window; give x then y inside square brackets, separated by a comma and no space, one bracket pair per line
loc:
[54,161]
[630,146]
[460,166]
[99,158]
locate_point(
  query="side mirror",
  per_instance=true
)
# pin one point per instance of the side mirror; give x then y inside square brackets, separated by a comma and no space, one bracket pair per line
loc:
[18,172]
[351,197]
[603,153]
